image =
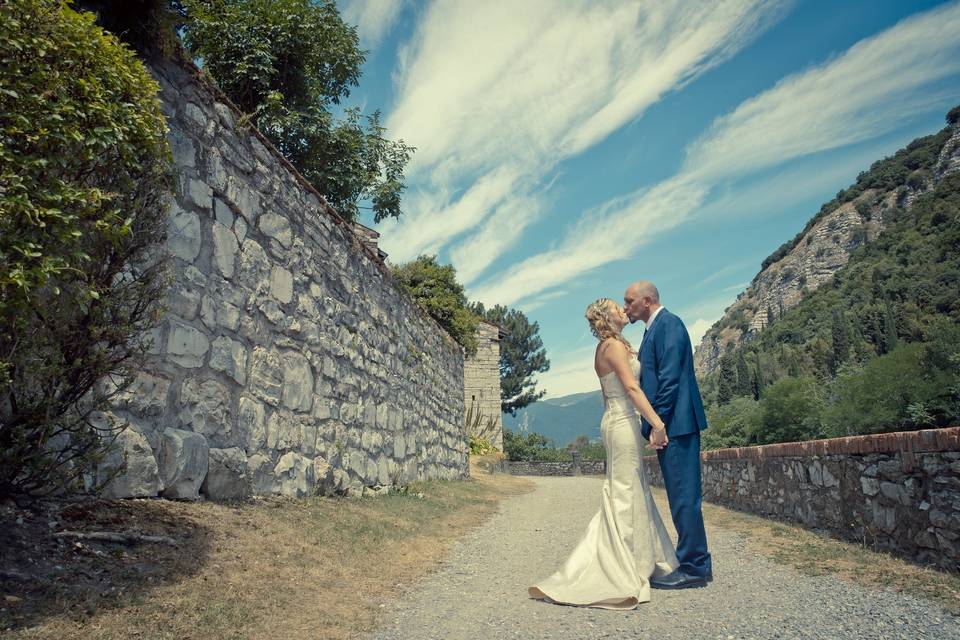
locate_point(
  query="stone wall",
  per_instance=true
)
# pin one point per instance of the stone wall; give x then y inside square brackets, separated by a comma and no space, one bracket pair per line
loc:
[481,386]
[574,467]
[289,361]
[894,491]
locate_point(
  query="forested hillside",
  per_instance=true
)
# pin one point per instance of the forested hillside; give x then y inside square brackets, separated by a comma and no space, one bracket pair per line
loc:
[877,347]
[856,216]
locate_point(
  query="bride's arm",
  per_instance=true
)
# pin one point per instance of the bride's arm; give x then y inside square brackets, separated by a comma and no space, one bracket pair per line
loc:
[615,354]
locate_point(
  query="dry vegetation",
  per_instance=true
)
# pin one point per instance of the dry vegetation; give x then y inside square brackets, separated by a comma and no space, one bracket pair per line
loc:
[264,568]
[813,553]
[308,568]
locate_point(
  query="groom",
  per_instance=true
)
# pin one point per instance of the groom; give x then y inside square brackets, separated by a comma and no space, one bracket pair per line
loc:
[668,381]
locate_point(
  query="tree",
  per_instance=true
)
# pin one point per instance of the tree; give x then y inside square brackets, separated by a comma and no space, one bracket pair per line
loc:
[85,173]
[435,288]
[744,381]
[889,329]
[840,340]
[727,382]
[733,424]
[522,356]
[287,63]
[789,411]
[587,450]
[531,446]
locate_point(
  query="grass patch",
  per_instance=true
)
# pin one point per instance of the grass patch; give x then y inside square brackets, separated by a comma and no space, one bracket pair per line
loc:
[813,553]
[273,567]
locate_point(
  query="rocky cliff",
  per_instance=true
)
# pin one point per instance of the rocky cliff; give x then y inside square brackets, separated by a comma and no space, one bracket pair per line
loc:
[825,247]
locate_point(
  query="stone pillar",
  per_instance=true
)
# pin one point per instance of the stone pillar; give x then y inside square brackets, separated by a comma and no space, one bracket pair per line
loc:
[481,386]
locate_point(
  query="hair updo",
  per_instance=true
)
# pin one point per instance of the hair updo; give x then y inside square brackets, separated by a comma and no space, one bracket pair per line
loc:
[598,315]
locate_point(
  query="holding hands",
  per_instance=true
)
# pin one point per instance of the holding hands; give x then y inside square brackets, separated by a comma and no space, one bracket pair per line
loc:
[658,437]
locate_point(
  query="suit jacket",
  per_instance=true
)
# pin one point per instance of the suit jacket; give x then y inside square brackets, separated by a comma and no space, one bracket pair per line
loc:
[667,377]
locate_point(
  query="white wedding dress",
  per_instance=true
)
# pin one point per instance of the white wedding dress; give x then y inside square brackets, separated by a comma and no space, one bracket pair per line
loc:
[625,543]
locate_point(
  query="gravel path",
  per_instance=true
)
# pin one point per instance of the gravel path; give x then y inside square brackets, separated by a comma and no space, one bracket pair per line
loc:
[480,590]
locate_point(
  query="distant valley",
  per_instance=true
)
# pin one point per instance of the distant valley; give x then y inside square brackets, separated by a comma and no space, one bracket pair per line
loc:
[561,419]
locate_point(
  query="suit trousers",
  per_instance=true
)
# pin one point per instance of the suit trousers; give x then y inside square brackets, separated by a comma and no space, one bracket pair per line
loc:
[680,467]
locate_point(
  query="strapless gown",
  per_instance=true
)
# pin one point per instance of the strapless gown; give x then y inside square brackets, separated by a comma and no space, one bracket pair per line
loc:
[625,543]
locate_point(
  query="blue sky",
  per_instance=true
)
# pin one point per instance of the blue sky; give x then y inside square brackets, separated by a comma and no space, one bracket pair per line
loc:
[569,147]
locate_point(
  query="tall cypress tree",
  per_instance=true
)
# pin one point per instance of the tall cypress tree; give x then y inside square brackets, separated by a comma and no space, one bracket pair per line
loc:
[889,329]
[727,384]
[744,384]
[840,340]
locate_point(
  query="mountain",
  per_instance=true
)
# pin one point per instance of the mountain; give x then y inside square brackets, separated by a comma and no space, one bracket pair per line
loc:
[856,217]
[561,419]
[874,347]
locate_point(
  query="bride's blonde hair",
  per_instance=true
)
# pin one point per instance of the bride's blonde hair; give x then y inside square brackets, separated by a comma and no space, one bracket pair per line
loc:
[598,315]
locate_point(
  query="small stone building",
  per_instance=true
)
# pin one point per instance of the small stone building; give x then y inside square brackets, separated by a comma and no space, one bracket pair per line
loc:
[481,386]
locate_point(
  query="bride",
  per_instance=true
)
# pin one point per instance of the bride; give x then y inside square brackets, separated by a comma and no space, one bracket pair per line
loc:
[625,543]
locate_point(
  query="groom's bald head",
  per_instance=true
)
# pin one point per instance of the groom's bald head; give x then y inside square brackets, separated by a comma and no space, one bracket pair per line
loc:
[646,288]
[640,300]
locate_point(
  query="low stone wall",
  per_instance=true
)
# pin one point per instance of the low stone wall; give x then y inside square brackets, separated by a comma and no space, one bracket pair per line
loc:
[289,362]
[575,467]
[894,491]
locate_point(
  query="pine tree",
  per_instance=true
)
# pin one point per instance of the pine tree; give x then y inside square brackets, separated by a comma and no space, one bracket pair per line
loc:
[840,341]
[889,329]
[522,356]
[727,384]
[744,384]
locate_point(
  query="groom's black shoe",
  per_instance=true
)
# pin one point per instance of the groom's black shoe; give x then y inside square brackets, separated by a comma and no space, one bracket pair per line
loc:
[678,580]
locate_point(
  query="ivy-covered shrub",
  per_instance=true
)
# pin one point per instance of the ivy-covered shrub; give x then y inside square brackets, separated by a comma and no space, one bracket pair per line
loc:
[435,288]
[84,172]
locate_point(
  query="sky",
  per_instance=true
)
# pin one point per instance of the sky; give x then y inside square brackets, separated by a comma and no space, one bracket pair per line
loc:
[566,148]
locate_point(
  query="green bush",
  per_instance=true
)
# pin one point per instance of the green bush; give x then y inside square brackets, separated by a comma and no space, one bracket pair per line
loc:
[480,446]
[914,386]
[84,173]
[790,411]
[588,450]
[531,447]
[435,288]
[732,424]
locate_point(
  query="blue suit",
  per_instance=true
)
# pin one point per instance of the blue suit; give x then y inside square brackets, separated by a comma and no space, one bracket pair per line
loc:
[667,379]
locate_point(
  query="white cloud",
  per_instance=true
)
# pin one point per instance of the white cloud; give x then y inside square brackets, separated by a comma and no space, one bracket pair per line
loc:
[610,233]
[875,86]
[477,252]
[570,372]
[437,216]
[535,303]
[872,89]
[484,85]
[373,18]
[698,329]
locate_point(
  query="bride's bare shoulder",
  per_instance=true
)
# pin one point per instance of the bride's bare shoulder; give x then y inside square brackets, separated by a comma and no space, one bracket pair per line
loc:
[612,348]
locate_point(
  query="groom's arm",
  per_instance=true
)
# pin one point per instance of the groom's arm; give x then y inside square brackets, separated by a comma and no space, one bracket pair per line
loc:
[669,351]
